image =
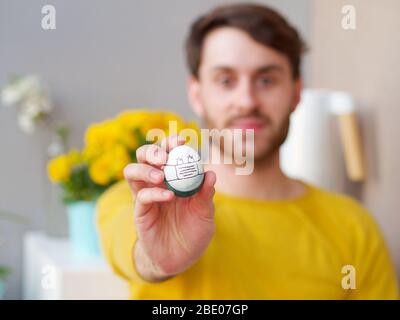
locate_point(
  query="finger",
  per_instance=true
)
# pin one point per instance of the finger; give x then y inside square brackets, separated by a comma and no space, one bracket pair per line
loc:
[203,198]
[207,189]
[151,154]
[139,174]
[171,142]
[146,197]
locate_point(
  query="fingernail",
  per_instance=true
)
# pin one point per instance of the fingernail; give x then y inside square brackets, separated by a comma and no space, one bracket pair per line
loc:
[176,136]
[155,175]
[158,156]
[166,193]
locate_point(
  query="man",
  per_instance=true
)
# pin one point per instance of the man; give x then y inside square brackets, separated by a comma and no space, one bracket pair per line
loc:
[257,236]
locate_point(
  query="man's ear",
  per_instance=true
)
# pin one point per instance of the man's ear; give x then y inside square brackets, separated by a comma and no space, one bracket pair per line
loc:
[298,88]
[193,92]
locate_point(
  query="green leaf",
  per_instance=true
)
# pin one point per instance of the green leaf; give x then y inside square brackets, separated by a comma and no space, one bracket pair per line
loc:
[4,272]
[80,187]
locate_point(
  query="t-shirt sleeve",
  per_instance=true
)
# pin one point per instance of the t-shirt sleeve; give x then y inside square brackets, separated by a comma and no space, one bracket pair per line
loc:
[375,272]
[115,226]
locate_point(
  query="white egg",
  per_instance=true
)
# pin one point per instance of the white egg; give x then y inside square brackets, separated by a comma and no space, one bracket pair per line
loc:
[184,172]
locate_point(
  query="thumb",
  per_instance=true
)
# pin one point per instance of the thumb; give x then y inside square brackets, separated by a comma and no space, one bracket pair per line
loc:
[202,200]
[207,189]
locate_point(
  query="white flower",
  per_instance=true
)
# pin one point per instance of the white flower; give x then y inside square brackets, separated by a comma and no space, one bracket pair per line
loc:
[10,96]
[30,109]
[29,85]
[26,123]
[19,88]
[30,98]
[33,105]
[46,106]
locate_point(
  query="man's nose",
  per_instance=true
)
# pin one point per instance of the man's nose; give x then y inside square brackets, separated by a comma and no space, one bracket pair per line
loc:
[246,98]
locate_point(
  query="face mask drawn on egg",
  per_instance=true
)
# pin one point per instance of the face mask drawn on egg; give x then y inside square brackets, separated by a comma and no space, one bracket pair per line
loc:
[184,173]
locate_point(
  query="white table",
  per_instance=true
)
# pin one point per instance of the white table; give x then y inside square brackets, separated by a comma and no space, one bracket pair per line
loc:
[51,271]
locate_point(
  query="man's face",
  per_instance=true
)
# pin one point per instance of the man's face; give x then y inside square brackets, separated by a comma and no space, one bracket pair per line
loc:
[244,84]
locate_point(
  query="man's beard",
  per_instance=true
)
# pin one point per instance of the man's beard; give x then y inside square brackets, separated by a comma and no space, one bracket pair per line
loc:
[271,147]
[276,141]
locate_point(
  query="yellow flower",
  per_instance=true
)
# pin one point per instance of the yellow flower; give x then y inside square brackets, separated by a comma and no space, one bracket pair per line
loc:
[133,118]
[143,120]
[74,157]
[120,159]
[193,125]
[109,166]
[99,171]
[101,137]
[59,169]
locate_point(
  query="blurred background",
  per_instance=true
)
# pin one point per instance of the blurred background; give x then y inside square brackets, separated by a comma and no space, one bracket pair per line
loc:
[105,57]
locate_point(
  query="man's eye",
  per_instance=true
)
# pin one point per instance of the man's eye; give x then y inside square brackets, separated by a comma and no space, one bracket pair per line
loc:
[265,81]
[226,81]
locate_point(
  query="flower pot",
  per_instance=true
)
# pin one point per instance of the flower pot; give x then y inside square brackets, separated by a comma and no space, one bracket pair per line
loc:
[82,228]
[2,289]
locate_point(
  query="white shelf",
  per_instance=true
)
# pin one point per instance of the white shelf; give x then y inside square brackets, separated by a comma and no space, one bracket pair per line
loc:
[52,271]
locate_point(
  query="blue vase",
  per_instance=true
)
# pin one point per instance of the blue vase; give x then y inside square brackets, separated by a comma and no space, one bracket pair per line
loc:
[2,289]
[82,228]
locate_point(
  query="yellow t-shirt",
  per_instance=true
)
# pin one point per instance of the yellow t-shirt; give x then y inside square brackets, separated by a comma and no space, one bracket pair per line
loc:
[289,249]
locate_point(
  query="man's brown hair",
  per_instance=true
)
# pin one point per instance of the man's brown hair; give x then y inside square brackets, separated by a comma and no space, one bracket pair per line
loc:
[261,23]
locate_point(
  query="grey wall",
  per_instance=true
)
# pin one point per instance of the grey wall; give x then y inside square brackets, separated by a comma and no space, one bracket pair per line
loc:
[104,56]
[365,62]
